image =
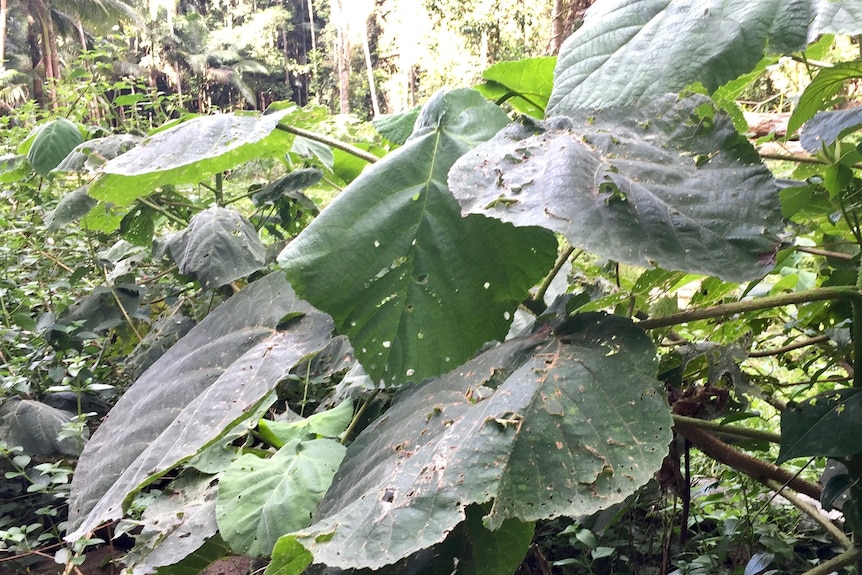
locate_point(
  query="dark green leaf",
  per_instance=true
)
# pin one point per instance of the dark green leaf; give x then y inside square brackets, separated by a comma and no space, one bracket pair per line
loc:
[288,186]
[826,426]
[545,426]
[670,185]
[632,51]
[819,94]
[35,427]
[420,288]
[826,127]
[53,143]
[218,247]
[397,127]
[191,152]
[259,500]
[524,84]
[210,380]
[836,487]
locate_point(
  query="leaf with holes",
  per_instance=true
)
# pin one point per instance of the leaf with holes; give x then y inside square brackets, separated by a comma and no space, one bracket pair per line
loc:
[670,184]
[547,425]
[211,379]
[218,247]
[416,287]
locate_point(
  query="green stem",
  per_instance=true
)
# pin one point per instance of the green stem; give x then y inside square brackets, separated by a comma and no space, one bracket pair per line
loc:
[156,207]
[219,189]
[818,294]
[337,144]
[536,303]
[355,421]
[733,430]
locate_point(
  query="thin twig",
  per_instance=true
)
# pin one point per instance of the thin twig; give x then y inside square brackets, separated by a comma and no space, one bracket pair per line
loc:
[790,347]
[355,421]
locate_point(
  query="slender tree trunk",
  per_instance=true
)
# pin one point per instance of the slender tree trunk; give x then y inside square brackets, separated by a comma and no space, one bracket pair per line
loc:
[41,18]
[558,11]
[311,25]
[342,54]
[35,61]
[375,105]
[2,35]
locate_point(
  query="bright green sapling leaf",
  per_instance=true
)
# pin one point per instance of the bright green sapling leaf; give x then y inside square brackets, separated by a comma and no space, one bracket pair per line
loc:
[53,143]
[525,85]
[218,247]
[416,287]
[632,51]
[826,426]
[259,500]
[211,379]
[175,524]
[671,184]
[547,425]
[330,423]
[191,152]
[289,557]
[819,94]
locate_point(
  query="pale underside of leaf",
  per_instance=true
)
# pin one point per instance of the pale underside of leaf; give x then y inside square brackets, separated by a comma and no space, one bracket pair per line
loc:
[669,185]
[212,378]
[631,51]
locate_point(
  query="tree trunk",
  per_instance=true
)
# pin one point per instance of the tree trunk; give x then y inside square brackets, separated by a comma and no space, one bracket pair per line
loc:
[566,17]
[366,48]
[2,35]
[342,54]
[41,18]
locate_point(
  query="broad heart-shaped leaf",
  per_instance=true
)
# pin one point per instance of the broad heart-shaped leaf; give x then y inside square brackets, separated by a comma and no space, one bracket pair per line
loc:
[632,51]
[547,425]
[176,524]
[218,247]
[212,378]
[191,152]
[416,287]
[72,206]
[826,426]
[525,84]
[826,127]
[53,143]
[671,184]
[259,500]
[397,127]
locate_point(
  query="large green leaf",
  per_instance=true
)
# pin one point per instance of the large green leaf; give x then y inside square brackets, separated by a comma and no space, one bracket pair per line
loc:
[191,152]
[825,426]
[259,500]
[632,51]
[670,184]
[415,286]
[525,84]
[218,247]
[552,424]
[212,378]
[826,127]
[53,143]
